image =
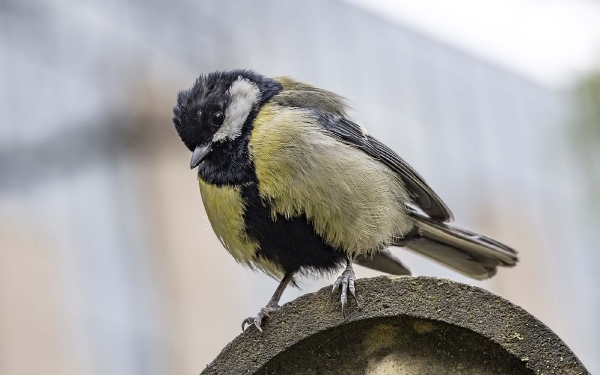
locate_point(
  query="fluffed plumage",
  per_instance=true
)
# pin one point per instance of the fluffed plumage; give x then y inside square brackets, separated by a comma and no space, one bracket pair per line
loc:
[291,185]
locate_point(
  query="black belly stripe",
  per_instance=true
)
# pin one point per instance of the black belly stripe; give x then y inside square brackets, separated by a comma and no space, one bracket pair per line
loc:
[292,243]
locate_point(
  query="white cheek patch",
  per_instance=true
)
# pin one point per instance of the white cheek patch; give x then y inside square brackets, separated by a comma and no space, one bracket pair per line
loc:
[244,96]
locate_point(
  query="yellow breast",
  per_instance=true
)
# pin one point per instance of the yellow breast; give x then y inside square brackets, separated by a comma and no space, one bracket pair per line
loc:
[225,210]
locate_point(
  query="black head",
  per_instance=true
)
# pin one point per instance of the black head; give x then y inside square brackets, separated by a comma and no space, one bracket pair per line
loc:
[218,108]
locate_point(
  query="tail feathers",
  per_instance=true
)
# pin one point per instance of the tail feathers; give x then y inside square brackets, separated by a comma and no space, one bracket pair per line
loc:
[383,261]
[469,253]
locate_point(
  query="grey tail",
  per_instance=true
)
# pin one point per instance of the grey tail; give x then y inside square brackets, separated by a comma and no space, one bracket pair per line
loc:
[383,261]
[469,253]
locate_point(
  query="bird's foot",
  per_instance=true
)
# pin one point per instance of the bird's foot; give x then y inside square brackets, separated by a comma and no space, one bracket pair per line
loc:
[257,321]
[346,281]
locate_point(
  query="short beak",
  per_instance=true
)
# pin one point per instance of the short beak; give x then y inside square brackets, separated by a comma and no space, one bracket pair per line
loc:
[200,153]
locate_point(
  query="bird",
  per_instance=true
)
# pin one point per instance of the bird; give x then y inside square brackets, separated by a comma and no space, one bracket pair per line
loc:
[294,188]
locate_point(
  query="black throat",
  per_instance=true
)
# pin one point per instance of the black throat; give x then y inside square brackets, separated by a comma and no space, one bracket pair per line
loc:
[229,162]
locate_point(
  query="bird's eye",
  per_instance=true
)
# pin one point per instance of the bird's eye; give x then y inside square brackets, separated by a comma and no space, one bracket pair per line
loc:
[218,118]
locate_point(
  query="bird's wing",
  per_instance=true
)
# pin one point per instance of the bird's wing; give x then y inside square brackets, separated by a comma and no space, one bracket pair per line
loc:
[351,133]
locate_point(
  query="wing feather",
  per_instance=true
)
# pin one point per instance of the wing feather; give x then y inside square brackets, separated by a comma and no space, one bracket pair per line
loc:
[351,133]
[330,110]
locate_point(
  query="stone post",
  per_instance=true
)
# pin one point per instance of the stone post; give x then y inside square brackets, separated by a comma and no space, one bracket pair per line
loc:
[403,325]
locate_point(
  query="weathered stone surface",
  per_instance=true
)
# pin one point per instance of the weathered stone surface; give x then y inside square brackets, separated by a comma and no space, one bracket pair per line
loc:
[404,325]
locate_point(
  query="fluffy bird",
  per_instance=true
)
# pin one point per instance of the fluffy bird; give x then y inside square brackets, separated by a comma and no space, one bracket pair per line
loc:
[292,186]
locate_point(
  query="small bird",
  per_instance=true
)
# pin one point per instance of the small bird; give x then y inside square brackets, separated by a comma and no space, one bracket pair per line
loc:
[293,187]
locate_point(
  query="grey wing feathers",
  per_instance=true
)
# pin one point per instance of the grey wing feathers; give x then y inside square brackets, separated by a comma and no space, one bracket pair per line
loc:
[424,197]
[383,261]
[469,253]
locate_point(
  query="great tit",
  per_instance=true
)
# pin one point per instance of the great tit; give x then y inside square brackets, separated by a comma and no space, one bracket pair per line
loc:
[292,186]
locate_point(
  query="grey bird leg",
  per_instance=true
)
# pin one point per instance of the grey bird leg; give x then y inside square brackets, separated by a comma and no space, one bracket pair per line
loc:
[272,306]
[346,280]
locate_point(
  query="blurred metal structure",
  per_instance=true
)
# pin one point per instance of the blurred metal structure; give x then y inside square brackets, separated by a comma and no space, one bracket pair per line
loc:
[102,219]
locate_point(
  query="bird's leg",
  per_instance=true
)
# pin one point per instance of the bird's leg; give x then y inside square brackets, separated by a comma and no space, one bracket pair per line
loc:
[346,280]
[272,306]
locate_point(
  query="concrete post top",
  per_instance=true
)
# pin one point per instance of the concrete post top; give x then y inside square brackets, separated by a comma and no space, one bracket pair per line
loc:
[403,325]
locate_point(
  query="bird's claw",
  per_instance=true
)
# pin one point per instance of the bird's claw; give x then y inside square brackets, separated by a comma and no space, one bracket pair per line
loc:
[257,320]
[346,281]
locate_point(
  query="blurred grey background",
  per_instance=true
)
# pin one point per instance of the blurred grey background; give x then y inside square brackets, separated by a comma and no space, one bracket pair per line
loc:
[108,264]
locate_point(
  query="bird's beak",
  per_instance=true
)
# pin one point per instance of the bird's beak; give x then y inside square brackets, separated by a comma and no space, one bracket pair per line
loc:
[200,153]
